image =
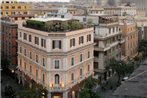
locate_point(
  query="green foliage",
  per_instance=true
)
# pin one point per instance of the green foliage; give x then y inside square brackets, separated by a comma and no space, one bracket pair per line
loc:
[32,92]
[75,25]
[64,26]
[143,47]
[120,67]
[27,92]
[84,93]
[54,25]
[87,90]
[35,24]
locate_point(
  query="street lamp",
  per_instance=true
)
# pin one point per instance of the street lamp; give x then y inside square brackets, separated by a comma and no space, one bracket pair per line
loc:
[12,71]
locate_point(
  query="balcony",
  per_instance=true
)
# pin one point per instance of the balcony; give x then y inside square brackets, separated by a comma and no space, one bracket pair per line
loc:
[121,41]
[107,47]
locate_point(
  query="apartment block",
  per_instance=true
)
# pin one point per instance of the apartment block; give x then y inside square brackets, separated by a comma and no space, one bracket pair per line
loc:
[8,41]
[108,41]
[121,10]
[55,58]
[12,7]
[130,34]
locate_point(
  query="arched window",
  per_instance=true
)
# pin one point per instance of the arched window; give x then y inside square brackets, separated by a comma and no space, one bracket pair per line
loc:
[57,79]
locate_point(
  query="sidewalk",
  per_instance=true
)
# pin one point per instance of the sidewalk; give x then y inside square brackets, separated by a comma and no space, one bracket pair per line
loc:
[7,80]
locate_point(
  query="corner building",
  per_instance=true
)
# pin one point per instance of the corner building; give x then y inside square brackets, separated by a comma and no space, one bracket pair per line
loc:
[59,61]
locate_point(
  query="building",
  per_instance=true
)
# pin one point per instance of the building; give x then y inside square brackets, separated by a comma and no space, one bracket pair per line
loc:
[8,42]
[135,86]
[142,27]
[57,58]
[140,4]
[12,7]
[9,26]
[130,34]
[95,11]
[120,10]
[108,41]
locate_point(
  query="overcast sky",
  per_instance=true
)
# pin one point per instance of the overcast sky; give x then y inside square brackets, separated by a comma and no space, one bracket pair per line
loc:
[45,0]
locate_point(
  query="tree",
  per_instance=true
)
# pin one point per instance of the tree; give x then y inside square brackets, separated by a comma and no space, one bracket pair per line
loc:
[27,92]
[75,25]
[87,89]
[64,26]
[120,67]
[143,47]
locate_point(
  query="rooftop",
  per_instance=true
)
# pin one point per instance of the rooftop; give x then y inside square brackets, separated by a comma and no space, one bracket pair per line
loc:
[49,19]
[53,24]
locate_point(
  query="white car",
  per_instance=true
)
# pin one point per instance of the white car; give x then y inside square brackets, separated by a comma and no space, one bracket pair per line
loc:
[124,79]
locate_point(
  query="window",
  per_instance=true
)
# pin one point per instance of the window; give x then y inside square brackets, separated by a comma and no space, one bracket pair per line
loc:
[81,40]
[88,54]
[43,60]
[81,73]
[56,79]
[36,73]
[20,49]
[7,7]
[37,40]
[24,65]
[30,69]
[37,58]
[19,7]
[72,77]
[113,29]
[20,34]
[88,37]
[72,61]
[56,44]
[56,64]
[43,43]
[72,42]
[30,55]
[13,7]
[25,13]
[13,13]
[6,13]
[25,36]
[30,38]
[43,78]
[25,52]
[81,58]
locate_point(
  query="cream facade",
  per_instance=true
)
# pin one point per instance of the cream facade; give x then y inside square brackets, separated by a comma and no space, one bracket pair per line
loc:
[108,41]
[57,60]
[121,10]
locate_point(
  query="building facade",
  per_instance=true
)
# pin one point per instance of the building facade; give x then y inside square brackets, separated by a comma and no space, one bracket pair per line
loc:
[12,7]
[59,61]
[121,10]
[130,34]
[8,41]
[108,41]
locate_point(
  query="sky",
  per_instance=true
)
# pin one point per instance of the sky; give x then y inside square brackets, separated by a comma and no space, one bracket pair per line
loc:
[45,0]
